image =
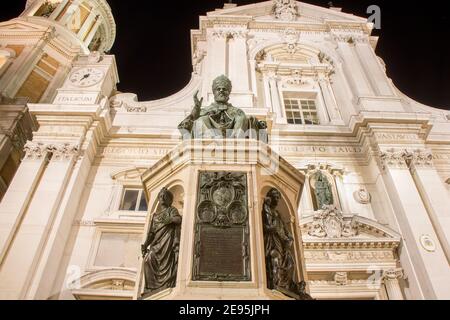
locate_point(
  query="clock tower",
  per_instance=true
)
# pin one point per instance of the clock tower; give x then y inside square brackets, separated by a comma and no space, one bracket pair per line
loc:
[92,77]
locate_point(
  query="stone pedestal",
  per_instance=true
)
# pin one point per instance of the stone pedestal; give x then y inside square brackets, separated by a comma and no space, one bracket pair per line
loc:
[252,169]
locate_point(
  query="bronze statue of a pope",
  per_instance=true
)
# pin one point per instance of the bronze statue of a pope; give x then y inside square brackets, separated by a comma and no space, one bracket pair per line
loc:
[221,119]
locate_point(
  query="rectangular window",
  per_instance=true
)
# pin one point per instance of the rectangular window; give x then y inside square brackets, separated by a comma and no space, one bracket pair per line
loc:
[301,111]
[133,200]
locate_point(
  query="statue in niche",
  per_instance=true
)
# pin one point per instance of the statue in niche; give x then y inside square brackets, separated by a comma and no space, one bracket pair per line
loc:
[160,250]
[323,192]
[278,244]
[221,119]
[46,9]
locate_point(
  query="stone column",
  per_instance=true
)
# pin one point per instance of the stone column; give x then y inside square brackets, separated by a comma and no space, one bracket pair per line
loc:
[430,268]
[91,35]
[238,62]
[59,9]
[390,279]
[434,194]
[19,194]
[254,84]
[70,12]
[354,70]
[373,68]
[216,59]
[276,99]
[330,102]
[343,94]
[43,279]
[87,24]
[19,266]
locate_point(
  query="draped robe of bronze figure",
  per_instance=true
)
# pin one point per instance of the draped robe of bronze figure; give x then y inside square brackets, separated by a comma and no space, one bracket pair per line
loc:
[280,263]
[278,243]
[160,250]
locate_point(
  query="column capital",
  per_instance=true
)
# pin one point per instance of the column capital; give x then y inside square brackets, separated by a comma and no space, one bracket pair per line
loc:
[63,151]
[59,151]
[419,159]
[393,274]
[35,150]
[392,158]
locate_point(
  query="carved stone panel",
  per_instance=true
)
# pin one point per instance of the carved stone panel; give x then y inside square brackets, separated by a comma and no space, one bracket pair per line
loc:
[222,251]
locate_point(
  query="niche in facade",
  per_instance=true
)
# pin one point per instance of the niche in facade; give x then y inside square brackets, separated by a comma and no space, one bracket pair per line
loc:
[46,9]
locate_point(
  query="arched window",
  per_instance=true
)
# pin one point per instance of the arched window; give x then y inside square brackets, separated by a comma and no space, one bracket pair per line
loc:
[295,82]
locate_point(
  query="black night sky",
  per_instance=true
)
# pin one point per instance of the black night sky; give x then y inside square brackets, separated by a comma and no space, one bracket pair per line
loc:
[413,43]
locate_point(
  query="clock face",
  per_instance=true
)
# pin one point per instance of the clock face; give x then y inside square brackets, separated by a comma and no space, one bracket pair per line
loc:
[86,77]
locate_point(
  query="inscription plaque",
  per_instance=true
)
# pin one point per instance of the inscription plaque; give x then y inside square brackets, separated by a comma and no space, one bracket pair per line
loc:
[221,228]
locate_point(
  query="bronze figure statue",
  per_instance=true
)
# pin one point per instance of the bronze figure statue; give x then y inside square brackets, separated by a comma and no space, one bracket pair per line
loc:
[278,242]
[160,250]
[221,119]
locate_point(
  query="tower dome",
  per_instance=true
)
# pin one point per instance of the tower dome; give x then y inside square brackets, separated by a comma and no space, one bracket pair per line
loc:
[87,23]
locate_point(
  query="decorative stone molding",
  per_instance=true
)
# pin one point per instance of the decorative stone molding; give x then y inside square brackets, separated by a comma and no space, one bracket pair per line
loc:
[324,58]
[35,150]
[330,168]
[197,59]
[393,159]
[350,38]
[291,37]
[138,108]
[341,278]
[38,150]
[286,10]
[63,151]
[128,101]
[95,57]
[393,274]
[419,159]
[329,223]
[406,159]
[362,196]
[355,256]
[296,78]
[229,33]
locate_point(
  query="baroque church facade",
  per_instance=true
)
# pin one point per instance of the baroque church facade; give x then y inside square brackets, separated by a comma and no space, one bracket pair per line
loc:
[362,171]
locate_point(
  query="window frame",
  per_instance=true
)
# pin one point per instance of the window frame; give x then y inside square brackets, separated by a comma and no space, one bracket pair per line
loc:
[138,199]
[289,110]
[301,95]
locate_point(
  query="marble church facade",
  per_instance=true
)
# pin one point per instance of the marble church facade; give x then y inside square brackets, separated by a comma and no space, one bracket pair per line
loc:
[76,155]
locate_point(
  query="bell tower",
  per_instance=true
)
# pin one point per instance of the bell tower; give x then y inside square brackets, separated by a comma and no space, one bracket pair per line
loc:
[38,47]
